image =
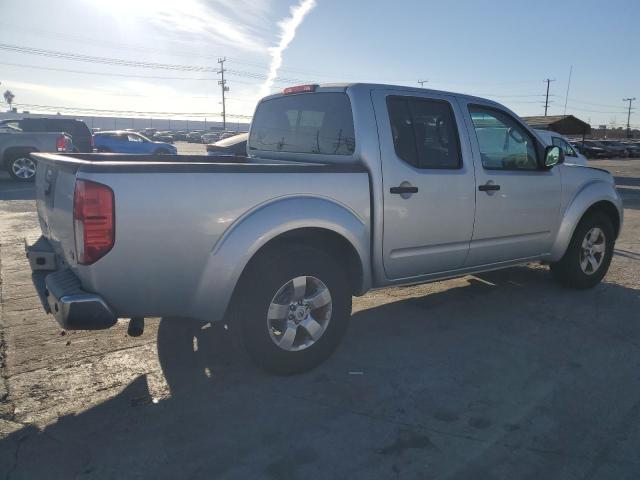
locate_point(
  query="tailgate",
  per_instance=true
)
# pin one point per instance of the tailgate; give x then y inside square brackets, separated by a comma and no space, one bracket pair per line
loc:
[55,185]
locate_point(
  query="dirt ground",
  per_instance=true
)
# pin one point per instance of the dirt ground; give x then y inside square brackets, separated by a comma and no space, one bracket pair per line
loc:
[502,375]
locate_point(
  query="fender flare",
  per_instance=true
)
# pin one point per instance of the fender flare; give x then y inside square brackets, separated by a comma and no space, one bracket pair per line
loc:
[255,228]
[592,193]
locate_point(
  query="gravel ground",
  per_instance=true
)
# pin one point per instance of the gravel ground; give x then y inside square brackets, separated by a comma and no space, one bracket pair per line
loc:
[501,375]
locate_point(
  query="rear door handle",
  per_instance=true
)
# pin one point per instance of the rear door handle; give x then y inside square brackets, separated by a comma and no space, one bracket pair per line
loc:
[402,189]
[489,187]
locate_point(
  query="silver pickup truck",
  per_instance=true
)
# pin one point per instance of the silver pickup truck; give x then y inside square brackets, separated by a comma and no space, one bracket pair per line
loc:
[346,188]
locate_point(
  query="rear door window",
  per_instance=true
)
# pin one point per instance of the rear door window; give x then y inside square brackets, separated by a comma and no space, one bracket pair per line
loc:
[313,123]
[424,132]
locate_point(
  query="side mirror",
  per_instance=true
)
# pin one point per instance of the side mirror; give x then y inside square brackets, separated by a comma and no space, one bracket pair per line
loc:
[553,156]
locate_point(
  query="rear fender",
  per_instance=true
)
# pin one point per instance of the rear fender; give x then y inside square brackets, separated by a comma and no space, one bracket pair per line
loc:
[256,228]
[589,195]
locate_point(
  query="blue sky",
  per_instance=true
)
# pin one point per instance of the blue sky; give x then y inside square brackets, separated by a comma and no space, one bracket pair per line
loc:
[500,49]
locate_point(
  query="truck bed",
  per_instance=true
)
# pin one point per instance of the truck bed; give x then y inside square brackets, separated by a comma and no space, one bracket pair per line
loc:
[176,215]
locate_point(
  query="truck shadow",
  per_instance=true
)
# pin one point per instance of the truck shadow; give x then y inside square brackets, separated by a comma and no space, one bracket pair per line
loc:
[503,365]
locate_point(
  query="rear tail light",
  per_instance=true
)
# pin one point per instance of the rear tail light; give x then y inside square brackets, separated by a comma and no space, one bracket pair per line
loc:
[300,89]
[94,221]
[61,143]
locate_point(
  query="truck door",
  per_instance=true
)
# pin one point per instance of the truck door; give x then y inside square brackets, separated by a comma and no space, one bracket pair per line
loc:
[517,202]
[428,183]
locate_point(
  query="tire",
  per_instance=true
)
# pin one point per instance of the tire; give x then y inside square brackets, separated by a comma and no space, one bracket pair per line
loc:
[272,278]
[21,167]
[570,271]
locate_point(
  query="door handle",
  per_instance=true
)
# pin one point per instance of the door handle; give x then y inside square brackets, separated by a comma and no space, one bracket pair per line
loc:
[489,187]
[403,189]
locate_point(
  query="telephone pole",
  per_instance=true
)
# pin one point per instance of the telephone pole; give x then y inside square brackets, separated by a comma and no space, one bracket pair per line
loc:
[223,84]
[629,115]
[546,102]
[422,82]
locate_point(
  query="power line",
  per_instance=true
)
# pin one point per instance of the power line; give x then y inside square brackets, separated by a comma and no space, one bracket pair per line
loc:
[113,74]
[134,63]
[130,112]
[127,46]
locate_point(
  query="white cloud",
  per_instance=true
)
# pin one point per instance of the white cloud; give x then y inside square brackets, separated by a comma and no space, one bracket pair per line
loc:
[237,24]
[288,27]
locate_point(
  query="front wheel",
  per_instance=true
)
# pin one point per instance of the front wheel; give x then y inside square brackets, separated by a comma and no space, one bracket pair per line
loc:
[587,259]
[294,306]
[22,168]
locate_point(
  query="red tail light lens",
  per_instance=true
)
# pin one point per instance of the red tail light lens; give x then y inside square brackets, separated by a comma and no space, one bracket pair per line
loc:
[61,143]
[94,220]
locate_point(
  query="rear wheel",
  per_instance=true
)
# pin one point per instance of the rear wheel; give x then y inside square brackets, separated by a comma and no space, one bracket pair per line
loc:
[21,167]
[293,308]
[587,259]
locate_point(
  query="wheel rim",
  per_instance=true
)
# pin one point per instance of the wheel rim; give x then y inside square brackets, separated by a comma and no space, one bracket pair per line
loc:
[593,251]
[23,167]
[299,313]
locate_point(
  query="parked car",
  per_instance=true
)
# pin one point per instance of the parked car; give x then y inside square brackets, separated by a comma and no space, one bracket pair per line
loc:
[571,154]
[149,132]
[76,129]
[224,135]
[179,136]
[592,149]
[166,137]
[346,188]
[16,147]
[121,141]
[634,149]
[619,149]
[194,137]
[236,145]
[210,137]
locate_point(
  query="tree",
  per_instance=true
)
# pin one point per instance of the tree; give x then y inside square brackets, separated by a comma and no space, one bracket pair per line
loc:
[8,97]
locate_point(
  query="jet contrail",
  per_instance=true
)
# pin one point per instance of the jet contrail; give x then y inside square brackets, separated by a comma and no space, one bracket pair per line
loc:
[288,27]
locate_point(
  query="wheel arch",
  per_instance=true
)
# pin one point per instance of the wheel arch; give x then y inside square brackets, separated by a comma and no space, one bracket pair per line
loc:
[10,151]
[317,221]
[595,197]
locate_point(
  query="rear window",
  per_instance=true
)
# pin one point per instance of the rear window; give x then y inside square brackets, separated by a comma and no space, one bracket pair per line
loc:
[316,123]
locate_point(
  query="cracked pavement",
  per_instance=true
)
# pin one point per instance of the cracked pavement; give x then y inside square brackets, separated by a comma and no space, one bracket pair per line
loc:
[501,375]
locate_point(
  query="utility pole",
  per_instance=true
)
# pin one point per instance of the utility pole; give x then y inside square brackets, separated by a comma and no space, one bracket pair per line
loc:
[546,102]
[422,82]
[223,84]
[629,115]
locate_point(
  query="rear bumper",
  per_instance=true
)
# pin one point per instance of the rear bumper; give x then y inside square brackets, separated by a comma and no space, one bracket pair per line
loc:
[62,295]
[73,308]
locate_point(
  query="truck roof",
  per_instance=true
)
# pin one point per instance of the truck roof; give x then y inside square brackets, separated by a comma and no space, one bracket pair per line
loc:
[356,86]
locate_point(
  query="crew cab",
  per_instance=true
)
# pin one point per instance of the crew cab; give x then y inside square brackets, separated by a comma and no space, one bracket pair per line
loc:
[346,188]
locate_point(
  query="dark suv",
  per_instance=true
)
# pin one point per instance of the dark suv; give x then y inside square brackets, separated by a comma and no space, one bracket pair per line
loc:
[76,129]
